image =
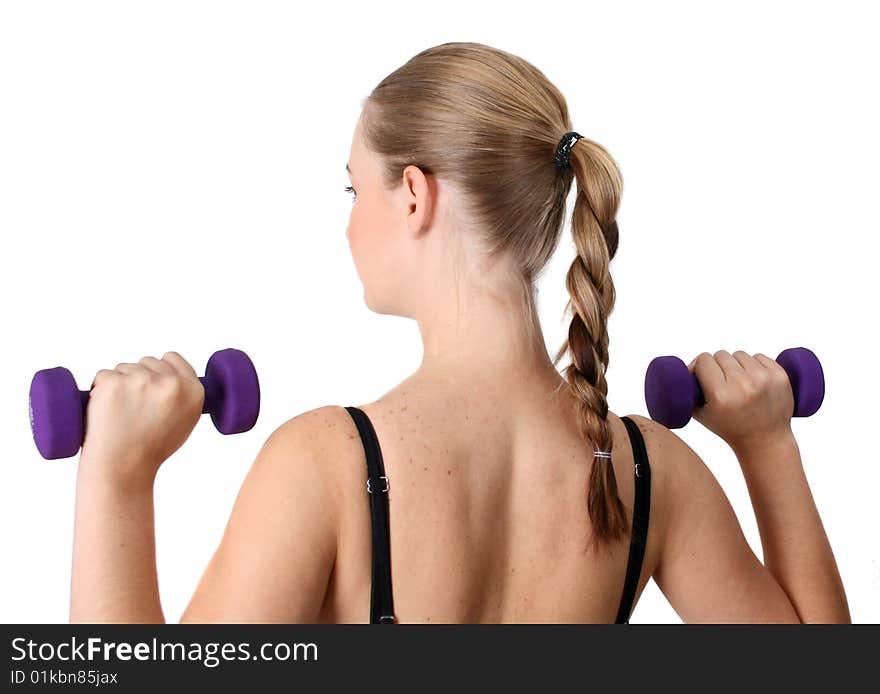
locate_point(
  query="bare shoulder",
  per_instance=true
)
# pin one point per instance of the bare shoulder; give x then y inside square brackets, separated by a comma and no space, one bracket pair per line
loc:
[326,436]
[658,439]
[305,450]
[664,455]
[319,426]
[280,543]
[677,471]
[672,460]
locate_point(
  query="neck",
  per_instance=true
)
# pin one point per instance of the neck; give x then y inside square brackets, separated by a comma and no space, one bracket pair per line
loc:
[485,330]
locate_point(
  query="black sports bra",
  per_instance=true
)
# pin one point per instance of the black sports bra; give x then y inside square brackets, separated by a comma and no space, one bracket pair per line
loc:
[381,601]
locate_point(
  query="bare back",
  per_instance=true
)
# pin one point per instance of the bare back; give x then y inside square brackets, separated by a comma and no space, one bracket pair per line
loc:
[487,504]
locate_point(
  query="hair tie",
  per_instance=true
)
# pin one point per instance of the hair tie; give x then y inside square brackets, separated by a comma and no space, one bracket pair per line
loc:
[563,149]
[602,454]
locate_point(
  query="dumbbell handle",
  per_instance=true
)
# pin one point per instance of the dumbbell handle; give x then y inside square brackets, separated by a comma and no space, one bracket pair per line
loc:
[212,395]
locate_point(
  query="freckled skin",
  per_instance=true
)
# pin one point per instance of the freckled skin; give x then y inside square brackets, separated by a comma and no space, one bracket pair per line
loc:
[501,536]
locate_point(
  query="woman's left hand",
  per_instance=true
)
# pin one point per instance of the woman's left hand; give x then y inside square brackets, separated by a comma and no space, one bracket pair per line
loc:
[137,416]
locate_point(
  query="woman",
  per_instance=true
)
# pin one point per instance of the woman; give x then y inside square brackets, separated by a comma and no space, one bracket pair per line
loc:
[499,489]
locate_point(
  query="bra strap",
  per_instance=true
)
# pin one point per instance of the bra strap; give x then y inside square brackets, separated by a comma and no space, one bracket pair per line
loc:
[641,514]
[381,602]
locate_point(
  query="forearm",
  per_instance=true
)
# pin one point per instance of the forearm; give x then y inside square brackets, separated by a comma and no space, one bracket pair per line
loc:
[796,548]
[114,575]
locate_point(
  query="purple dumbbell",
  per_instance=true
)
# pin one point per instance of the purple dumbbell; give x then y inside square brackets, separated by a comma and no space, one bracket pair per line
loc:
[672,392]
[57,407]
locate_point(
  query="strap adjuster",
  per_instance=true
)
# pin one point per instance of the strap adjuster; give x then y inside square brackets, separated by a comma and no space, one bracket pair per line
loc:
[370,489]
[386,619]
[638,474]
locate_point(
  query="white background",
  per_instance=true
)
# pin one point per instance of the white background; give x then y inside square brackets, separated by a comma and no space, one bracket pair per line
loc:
[171,178]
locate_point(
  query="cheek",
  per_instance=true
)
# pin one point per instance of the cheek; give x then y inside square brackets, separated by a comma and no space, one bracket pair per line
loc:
[375,255]
[364,234]
[355,234]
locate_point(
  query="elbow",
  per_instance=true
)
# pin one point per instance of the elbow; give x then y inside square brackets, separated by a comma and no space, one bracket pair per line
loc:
[827,618]
[830,614]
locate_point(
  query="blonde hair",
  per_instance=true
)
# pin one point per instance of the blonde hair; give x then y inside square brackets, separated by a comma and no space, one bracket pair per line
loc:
[489,122]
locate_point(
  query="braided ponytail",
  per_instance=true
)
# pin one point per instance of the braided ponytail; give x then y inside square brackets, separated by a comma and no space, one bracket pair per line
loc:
[592,297]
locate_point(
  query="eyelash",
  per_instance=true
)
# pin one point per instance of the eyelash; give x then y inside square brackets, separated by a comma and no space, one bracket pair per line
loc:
[349,189]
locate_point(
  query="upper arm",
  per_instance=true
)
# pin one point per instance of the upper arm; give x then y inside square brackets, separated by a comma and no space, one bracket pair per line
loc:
[707,570]
[279,547]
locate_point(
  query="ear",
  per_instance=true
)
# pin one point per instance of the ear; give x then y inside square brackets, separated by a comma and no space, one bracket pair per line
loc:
[419,194]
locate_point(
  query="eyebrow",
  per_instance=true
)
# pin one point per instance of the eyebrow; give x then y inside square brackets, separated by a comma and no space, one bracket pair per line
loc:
[347,169]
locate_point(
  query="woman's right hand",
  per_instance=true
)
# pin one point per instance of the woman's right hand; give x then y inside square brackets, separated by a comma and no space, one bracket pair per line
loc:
[749,400]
